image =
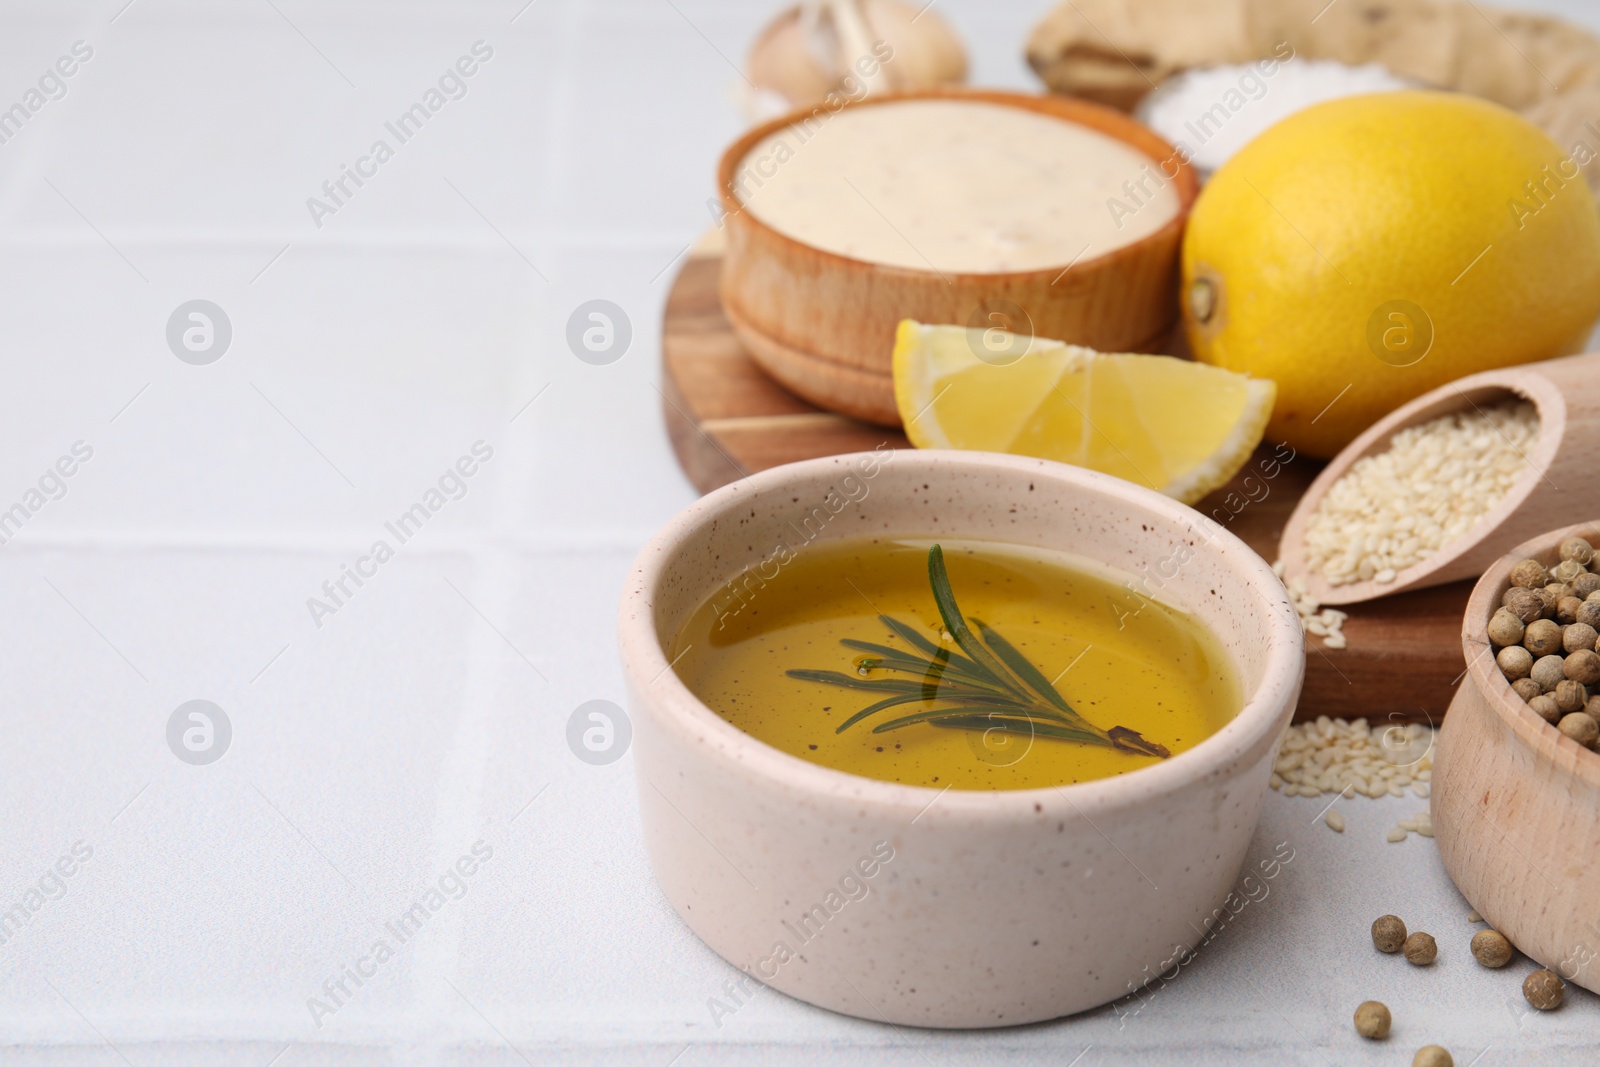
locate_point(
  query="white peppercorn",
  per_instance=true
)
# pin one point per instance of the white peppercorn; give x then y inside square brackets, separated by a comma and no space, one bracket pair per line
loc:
[1546,708]
[1570,695]
[1567,609]
[1577,550]
[1515,662]
[1529,574]
[1506,629]
[1578,636]
[1548,672]
[1388,933]
[1566,570]
[1420,949]
[1372,1020]
[1490,948]
[1585,584]
[1582,666]
[1542,637]
[1544,989]
[1588,613]
[1580,728]
[1527,688]
[1433,1056]
[1525,604]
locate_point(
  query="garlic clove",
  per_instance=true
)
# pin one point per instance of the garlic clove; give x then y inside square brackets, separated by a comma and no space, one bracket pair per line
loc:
[856,48]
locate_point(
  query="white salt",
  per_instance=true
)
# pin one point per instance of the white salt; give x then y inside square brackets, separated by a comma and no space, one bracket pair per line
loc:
[1215,111]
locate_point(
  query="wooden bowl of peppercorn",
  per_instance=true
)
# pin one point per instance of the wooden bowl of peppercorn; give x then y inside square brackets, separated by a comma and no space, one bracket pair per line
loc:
[1516,779]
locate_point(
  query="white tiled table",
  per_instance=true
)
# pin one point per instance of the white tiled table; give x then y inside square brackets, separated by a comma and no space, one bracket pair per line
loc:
[423,716]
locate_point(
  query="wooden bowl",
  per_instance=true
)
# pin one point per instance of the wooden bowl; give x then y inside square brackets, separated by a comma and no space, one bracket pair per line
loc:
[1516,804]
[1558,486]
[823,324]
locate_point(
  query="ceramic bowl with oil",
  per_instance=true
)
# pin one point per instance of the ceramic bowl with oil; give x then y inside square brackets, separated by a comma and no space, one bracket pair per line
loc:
[1027,843]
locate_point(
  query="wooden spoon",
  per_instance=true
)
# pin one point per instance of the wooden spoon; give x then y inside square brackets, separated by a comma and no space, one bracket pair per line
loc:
[1560,485]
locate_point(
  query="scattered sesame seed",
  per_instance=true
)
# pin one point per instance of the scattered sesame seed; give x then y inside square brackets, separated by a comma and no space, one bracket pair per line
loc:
[1335,821]
[1326,623]
[1339,756]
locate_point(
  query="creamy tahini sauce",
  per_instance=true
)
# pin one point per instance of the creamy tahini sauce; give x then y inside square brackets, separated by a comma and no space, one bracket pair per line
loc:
[955,186]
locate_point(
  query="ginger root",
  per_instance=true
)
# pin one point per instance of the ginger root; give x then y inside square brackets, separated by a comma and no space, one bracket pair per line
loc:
[1116,51]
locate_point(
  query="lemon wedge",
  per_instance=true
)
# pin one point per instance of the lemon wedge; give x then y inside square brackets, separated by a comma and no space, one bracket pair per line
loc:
[1178,427]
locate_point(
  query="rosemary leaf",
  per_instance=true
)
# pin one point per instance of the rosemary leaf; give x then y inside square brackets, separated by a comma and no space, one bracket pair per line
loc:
[951,614]
[1130,741]
[993,687]
[926,646]
[1029,673]
[882,685]
[882,705]
[1028,727]
[1020,666]
[980,710]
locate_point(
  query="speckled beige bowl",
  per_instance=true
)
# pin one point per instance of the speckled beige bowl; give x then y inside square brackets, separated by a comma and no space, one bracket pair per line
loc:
[953,908]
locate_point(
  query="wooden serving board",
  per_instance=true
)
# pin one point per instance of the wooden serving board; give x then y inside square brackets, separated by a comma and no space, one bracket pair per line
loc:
[727,419]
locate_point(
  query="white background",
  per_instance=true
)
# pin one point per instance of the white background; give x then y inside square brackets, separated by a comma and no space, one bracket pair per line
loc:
[425,715]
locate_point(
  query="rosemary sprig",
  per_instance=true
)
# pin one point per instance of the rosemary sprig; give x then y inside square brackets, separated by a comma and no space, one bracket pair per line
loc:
[987,685]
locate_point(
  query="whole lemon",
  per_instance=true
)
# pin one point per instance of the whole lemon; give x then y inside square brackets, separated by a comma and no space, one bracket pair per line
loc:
[1366,250]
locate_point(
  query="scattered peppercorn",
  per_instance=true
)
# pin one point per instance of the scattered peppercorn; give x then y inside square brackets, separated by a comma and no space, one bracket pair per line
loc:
[1388,933]
[1433,1056]
[1490,948]
[1544,989]
[1529,574]
[1421,949]
[1372,1020]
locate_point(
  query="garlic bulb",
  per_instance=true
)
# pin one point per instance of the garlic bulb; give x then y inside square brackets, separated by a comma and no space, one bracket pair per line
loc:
[854,48]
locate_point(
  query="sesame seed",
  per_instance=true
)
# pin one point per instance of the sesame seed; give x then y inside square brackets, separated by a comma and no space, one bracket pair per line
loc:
[1353,757]
[1325,623]
[1394,509]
